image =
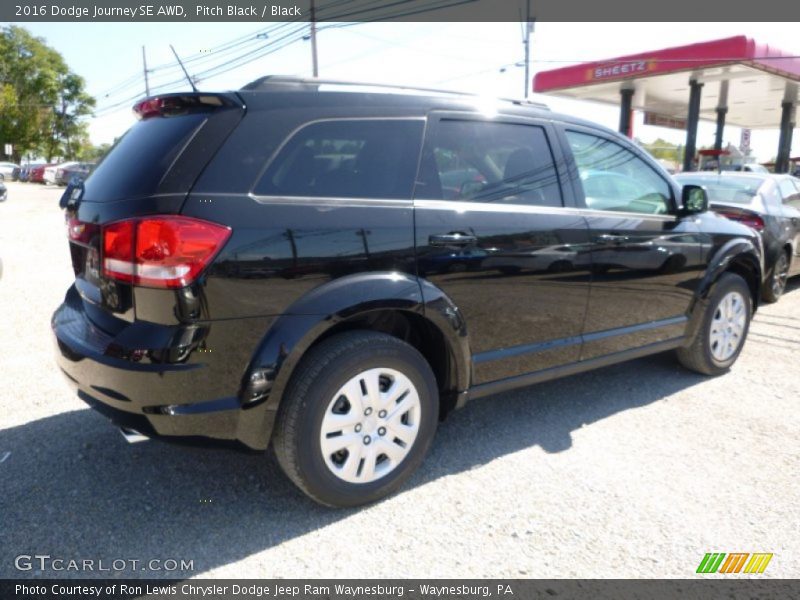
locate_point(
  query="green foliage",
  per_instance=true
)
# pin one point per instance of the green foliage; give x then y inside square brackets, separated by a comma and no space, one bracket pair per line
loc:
[665,150]
[42,102]
[89,153]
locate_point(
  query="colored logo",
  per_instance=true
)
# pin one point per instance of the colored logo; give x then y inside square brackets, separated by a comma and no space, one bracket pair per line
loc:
[737,562]
[618,70]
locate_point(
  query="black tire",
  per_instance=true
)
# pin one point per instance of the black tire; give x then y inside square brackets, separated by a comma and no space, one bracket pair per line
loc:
[318,377]
[698,356]
[775,284]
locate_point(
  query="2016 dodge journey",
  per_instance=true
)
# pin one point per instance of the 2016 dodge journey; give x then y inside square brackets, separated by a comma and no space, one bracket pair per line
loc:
[331,268]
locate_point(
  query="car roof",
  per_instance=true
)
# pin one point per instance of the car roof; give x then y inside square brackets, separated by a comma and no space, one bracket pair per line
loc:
[423,99]
[275,83]
[728,175]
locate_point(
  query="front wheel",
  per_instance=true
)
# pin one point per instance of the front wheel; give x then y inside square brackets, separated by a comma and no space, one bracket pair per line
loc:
[724,329]
[358,418]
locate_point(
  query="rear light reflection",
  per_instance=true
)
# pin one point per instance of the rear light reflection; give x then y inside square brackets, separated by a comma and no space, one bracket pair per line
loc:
[161,252]
[749,219]
[81,232]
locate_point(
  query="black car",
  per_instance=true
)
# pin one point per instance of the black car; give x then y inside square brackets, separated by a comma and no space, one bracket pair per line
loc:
[247,268]
[3,191]
[768,203]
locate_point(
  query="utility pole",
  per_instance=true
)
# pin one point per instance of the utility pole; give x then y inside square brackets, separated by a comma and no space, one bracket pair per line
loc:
[144,66]
[527,41]
[315,68]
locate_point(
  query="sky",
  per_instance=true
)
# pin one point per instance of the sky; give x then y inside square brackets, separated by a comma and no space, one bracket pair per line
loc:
[473,57]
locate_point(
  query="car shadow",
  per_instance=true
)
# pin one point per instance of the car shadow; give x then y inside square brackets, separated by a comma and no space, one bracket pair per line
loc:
[73,488]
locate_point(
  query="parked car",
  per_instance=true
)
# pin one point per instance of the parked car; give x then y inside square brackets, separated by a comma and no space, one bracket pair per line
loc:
[51,172]
[36,173]
[79,171]
[768,203]
[748,168]
[3,192]
[25,169]
[7,170]
[341,354]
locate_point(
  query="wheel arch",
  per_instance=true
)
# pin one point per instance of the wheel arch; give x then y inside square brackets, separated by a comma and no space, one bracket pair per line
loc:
[389,302]
[740,256]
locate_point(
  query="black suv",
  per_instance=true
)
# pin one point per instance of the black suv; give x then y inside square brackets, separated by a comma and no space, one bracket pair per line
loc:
[332,268]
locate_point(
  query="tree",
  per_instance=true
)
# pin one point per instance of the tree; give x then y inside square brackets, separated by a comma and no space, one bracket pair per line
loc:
[42,102]
[665,150]
[90,153]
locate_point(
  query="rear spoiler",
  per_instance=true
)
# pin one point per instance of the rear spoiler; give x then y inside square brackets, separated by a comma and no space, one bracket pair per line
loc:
[172,105]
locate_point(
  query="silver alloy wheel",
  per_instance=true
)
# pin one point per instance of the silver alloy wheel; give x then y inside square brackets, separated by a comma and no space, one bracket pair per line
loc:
[781,275]
[727,326]
[370,425]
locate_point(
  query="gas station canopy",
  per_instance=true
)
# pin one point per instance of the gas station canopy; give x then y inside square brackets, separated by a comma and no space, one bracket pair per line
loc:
[734,79]
[758,76]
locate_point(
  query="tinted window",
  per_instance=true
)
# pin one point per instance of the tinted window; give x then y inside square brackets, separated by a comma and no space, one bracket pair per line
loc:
[482,161]
[350,159]
[614,178]
[141,158]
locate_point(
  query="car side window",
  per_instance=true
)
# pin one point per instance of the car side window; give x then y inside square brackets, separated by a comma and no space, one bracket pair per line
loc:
[348,158]
[486,161]
[789,192]
[615,179]
[772,197]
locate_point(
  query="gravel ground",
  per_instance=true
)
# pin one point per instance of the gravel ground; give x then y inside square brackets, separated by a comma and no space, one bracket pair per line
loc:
[636,470]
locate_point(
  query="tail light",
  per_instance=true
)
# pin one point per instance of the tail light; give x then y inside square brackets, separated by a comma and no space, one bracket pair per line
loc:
[162,251]
[170,105]
[746,218]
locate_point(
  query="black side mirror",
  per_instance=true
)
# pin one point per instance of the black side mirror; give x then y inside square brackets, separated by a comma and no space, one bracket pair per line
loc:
[694,199]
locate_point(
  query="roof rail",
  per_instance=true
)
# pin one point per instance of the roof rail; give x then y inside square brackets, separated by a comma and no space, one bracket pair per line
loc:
[313,84]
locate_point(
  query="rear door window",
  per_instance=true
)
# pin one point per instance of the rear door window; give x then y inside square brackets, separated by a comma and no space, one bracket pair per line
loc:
[487,161]
[351,158]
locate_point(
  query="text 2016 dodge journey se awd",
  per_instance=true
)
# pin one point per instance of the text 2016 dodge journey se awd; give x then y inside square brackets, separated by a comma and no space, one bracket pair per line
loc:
[332,268]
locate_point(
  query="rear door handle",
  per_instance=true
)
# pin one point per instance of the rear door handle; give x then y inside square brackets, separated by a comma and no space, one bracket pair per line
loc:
[451,239]
[612,238]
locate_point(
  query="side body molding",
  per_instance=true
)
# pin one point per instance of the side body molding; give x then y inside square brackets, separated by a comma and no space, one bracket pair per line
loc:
[327,306]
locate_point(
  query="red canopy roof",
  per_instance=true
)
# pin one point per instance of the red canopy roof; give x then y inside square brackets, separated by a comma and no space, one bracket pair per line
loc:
[739,49]
[757,75]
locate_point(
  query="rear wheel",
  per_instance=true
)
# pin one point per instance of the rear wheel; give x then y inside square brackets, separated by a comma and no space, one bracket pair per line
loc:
[358,418]
[776,282]
[724,328]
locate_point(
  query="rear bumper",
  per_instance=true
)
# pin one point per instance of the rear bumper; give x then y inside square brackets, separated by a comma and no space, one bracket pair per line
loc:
[194,399]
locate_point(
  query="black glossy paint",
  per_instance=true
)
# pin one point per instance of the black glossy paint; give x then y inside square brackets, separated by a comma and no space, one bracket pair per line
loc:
[515,294]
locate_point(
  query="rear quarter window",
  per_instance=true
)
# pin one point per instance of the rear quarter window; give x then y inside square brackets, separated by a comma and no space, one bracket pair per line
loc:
[139,161]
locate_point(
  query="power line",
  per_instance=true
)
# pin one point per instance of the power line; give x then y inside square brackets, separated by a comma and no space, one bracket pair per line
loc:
[287,39]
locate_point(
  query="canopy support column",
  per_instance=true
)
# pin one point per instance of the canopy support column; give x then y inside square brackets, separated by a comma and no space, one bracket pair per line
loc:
[625,111]
[785,142]
[695,90]
[718,137]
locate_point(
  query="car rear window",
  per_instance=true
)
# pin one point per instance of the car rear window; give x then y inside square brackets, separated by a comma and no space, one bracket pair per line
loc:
[139,160]
[736,190]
